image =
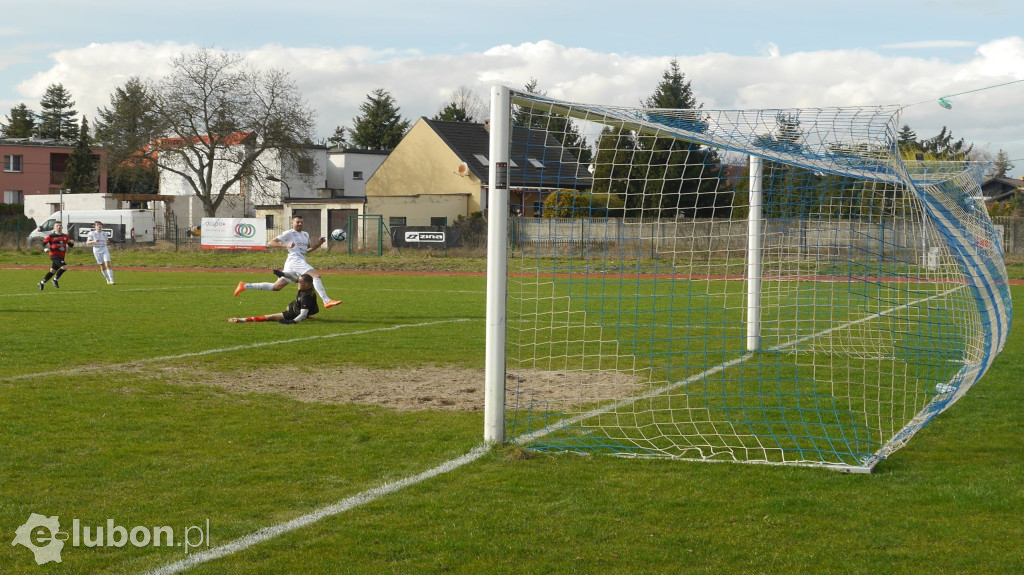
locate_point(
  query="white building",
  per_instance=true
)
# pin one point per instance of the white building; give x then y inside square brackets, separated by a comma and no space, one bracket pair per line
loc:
[325,190]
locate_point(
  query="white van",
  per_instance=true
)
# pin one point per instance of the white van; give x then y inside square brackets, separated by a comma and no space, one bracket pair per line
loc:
[122,226]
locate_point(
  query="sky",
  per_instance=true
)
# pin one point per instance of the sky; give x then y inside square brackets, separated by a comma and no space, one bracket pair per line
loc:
[736,54]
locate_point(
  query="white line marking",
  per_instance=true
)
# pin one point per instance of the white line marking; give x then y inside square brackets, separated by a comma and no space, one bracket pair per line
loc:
[225,350]
[324,512]
[39,292]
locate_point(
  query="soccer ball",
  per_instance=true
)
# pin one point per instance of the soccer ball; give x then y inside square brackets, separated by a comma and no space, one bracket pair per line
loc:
[338,235]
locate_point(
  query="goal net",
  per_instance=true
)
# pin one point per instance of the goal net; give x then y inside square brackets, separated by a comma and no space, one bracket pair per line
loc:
[760,286]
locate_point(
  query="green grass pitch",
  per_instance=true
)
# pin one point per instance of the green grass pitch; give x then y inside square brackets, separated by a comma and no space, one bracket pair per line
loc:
[89,431]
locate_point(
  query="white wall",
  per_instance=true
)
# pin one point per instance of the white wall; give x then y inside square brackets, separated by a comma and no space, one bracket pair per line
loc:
[258,193]
[342,165]
[296,185]
[187,211]
[172,184]
[39,206]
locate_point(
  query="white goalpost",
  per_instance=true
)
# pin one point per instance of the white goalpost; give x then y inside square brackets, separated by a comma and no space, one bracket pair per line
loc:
[757,286]
[494,368]
[754,256]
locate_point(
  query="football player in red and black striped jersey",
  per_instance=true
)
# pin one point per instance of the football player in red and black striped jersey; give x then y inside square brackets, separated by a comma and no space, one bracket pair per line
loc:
[57,244]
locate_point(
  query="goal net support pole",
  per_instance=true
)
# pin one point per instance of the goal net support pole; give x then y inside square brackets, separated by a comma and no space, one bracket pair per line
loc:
[497,247]
[754,227]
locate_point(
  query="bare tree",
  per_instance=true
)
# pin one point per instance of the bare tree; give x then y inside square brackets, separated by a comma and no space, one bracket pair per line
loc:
[464,105]
[221,117]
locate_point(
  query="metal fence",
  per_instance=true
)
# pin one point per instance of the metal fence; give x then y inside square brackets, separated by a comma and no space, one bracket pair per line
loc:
[1011,231]
[786,237]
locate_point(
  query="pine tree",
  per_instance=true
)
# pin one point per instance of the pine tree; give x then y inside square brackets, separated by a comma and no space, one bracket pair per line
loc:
[452,112]
[682,177]
[674,91]
[615,149]
[20,124]
[380,127]
[943,147]
[338,139]
[524,117]
[81,174]
[1002,165]
[58,118]
[127,129]
[906,138]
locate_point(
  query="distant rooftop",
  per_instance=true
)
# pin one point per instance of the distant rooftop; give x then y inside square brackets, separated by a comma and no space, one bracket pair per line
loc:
[34,141]
[339,150]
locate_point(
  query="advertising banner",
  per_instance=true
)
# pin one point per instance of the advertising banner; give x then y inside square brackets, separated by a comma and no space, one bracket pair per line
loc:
[79,231]
[234,234]
[425,237]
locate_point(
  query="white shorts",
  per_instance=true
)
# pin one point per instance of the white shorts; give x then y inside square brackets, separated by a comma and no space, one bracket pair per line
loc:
[297,267]
[102,255]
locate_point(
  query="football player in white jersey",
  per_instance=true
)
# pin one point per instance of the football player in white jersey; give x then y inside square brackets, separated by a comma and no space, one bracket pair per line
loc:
[98,240]
[298,244]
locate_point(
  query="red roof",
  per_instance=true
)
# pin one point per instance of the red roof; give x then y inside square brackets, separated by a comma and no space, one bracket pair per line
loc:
[232,139]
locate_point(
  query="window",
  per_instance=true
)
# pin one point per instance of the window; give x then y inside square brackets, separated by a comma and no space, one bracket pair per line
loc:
[536,163]
[396,221]
[59,162]
[357,175]
[305,166]
[12,163]
[270,221]
[439,222]
[483,160]
[13,197]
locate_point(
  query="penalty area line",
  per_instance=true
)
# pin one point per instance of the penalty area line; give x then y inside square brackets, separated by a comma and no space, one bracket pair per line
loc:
[134,362]
[322,513]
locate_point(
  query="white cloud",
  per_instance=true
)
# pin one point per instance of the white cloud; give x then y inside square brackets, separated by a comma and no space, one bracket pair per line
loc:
[336,81]
[929,45]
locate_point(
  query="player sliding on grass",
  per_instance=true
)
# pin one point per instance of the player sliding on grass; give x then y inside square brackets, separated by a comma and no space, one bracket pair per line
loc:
[298,245]
[301,309]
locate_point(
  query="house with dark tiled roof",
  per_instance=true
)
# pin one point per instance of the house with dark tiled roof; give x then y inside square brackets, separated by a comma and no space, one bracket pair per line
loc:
[439,171]
[1001,189]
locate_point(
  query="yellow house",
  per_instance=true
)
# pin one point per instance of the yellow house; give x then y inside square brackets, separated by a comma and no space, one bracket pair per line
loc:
[439,172]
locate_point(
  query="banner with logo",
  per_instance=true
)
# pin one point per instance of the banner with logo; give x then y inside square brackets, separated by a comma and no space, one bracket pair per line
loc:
[425,237]
[233,234]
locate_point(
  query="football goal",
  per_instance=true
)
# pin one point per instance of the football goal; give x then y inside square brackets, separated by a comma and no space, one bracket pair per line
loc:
[757,286]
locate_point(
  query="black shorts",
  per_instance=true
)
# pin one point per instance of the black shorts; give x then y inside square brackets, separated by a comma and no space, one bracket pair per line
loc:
[56,262]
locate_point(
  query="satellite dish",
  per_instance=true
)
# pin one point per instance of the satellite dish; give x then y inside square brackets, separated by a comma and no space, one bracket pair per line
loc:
[463,169]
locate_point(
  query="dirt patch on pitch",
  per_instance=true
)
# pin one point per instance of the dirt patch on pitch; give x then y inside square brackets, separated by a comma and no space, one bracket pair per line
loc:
[441,388]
